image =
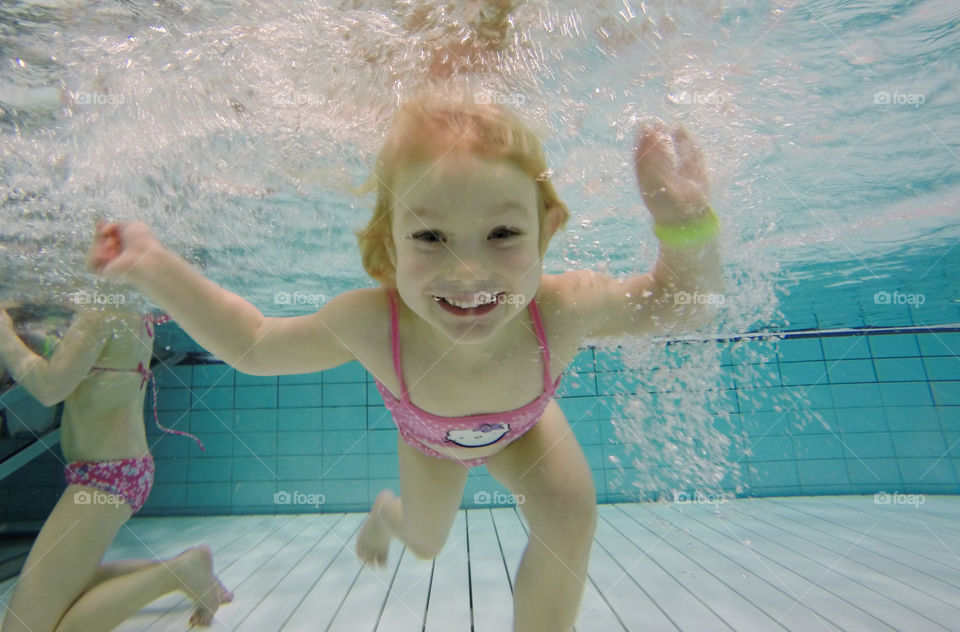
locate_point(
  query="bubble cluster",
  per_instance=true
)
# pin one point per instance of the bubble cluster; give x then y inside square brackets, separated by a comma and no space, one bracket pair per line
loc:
[236,130]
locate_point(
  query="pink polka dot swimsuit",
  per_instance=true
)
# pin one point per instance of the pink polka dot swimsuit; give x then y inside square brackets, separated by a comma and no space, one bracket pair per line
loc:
[419,427]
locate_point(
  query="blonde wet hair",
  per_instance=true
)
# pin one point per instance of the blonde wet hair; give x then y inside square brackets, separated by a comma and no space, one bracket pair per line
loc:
[431,126]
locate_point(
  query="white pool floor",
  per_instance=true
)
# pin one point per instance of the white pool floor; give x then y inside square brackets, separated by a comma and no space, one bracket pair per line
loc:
[802,563]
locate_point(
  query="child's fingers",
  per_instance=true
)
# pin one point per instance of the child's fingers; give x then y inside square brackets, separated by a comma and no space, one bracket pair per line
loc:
[690,161]
[104,230]
[106,245]
[653,157]
[93,260]
[650,139]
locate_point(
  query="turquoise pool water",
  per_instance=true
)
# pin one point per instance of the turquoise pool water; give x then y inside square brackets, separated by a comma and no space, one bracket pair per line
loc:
[831,133]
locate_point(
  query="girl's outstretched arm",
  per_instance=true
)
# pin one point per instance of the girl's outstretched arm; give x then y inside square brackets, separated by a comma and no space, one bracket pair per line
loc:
[51,381]
[682,289]
[228,326]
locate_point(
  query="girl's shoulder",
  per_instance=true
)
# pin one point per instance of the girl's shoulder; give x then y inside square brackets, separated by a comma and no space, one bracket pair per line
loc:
[566,318]
[358,304]
[358,316]
[365,303]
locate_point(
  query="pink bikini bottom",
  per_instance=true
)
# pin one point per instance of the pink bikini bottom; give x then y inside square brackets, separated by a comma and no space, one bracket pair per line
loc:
[467,463]
[129,479]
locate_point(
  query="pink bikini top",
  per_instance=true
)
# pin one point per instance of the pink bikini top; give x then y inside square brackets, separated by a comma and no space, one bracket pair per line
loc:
[468,431]
[146,375]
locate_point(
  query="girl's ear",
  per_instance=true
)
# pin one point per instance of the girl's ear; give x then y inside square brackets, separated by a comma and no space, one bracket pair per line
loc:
[552,221]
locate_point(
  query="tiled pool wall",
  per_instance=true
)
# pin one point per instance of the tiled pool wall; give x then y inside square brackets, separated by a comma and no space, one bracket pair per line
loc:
[890,403]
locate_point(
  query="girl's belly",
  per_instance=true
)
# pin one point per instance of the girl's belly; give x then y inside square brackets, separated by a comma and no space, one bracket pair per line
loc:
[117,436]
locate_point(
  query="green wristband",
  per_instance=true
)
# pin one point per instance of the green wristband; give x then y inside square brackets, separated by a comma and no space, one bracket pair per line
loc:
[688,233]
[49,343]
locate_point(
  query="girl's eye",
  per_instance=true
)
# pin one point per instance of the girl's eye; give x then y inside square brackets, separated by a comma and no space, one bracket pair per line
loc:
[503,232]
[429,236]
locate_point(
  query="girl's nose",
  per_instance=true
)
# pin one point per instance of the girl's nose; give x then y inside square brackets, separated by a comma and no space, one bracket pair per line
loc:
[467,266]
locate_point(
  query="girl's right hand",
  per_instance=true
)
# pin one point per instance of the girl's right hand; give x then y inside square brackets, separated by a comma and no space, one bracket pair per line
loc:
[117,248]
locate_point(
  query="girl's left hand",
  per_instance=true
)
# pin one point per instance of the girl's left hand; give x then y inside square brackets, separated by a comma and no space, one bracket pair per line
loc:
[671,174]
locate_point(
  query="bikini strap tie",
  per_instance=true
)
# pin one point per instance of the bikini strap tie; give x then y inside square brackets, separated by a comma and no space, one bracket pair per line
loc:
[150,319]
[147,374]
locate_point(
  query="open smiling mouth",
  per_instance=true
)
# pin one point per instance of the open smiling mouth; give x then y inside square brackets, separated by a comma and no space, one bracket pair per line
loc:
[479,305]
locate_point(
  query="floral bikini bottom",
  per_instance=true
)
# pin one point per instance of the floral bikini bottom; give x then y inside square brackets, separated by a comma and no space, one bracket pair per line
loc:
[129,479]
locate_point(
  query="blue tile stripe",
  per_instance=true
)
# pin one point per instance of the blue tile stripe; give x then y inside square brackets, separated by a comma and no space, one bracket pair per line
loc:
[855,411]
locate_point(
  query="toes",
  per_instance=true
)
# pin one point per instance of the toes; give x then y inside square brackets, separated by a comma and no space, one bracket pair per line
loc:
[362,554]
[371,559]
[202,617]
[225,595]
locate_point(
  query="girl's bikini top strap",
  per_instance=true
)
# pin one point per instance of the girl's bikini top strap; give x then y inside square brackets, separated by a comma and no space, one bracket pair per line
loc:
[542,338]
[395,341]
[146,375]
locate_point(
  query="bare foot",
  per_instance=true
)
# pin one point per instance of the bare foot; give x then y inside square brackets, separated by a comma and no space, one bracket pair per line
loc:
[226,596]
[373,542]
[194,569]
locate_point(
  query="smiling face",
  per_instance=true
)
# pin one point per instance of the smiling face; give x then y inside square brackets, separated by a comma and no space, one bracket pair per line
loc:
[443,124]
[466,233]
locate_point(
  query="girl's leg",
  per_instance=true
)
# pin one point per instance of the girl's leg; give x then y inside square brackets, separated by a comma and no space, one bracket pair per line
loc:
[546,469]
[430,493]
[111,600]
[125,567]
[63,561]
[63,587]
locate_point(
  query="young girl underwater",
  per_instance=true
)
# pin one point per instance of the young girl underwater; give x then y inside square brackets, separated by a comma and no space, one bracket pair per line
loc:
[99,370]
[466,337]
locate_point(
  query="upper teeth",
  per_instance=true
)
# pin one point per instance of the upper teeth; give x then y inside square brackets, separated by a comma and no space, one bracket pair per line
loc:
[481,298]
